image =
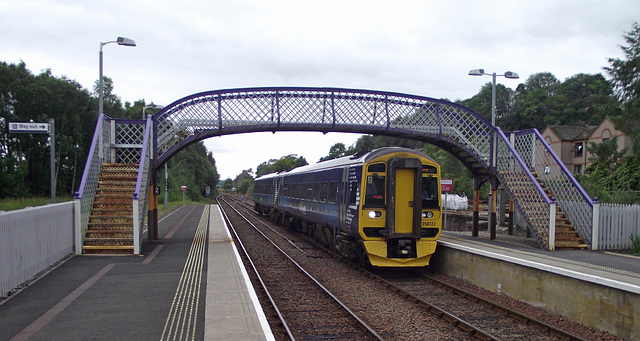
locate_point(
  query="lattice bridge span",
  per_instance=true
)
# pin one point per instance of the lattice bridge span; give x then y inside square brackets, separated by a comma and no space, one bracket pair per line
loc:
[521,163]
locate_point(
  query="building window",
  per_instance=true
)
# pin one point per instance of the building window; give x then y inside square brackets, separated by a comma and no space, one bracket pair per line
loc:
[577,169]
[578,149]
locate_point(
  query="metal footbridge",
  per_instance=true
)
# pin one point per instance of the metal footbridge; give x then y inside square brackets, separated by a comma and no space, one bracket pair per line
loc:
[521,162]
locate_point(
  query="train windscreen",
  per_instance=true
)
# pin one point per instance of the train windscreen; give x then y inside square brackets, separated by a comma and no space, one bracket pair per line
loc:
[430,192]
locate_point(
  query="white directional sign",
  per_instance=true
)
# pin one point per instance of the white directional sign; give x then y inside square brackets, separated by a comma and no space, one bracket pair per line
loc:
[28,127]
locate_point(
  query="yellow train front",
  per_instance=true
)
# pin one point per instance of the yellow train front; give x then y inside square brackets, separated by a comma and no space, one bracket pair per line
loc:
[399,216]
[381,207]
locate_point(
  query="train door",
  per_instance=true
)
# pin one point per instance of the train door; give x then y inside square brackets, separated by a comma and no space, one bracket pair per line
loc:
[403,213]
[404,200]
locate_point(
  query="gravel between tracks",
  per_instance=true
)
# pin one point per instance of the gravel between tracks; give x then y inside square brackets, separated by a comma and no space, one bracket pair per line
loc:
[388,314]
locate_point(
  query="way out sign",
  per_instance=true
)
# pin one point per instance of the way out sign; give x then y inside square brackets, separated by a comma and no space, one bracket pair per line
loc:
[446,185]
[28,127]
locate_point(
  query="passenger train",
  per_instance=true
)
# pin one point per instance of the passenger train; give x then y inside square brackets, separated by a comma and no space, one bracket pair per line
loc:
[381,208]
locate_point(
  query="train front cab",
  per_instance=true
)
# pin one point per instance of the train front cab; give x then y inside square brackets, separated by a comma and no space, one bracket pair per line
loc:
[401,216]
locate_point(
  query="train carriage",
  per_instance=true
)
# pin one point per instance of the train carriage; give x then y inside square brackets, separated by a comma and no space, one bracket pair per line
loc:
[381,207]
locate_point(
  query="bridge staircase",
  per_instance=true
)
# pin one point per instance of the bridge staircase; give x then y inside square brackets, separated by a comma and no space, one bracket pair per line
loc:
[110,204]
[566,236]
[110,228]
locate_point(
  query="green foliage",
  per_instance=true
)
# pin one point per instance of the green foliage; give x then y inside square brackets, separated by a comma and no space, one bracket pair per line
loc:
[10,204]
[625,78]
[336,151]
[227,185]
[635,240]
[246,187]
[193,167]
[25,97]
[282,164]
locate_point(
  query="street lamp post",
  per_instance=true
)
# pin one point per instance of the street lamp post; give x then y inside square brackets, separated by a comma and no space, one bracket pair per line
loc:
[120,41]
[508,74]
[494,156]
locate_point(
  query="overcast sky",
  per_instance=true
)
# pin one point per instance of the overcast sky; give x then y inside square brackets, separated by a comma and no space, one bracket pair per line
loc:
[418,47]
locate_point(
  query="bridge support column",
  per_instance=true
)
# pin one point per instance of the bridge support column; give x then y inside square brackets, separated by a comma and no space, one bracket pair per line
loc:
[492,204]
[510,222]
[476,206]
[152,217]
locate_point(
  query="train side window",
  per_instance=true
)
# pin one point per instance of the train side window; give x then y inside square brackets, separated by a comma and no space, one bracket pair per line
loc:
[323,191]
[353,193]
[374,195]
[309,191]
[333,191]
[316,191]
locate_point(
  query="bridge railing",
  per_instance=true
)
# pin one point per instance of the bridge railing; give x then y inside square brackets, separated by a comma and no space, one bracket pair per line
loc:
[563,186]
[141,190]
[529,197]
[83,200]
[320,109]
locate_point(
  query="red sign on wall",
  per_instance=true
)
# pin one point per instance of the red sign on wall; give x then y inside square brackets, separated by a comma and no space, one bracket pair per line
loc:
[446,185]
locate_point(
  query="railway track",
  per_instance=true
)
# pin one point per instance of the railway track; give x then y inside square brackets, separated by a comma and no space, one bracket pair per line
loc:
[305,309]
[476,317]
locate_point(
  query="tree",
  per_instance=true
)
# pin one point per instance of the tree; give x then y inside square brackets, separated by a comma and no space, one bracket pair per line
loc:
[336,151]
[285,163]
[25,97]
[481,103]
[193,167]
[625,78]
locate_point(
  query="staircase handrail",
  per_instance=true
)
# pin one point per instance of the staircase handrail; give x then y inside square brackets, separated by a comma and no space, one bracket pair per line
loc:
[140,192]
[143,166]
[559,162]
[517,164]
[92,151]
[571,197]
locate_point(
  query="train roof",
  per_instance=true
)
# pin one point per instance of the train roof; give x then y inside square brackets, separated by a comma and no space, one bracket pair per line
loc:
[349,160]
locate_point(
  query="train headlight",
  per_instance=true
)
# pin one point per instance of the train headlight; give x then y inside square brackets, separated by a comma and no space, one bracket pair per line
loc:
[375,214]
[427,214]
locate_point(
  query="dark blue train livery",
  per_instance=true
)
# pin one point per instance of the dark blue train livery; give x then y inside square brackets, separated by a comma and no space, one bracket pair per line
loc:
[380,207]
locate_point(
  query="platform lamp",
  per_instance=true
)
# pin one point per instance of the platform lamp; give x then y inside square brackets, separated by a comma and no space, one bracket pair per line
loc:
[494,159]
[120,41]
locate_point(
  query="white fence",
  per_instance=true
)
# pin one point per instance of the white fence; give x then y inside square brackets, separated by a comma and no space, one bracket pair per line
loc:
[617,224]
[31,240]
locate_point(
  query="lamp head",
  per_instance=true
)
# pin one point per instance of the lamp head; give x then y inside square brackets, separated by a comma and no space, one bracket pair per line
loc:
[125,41]
[476,72]
[511,75]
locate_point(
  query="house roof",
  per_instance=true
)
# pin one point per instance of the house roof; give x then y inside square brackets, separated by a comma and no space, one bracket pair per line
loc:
[573,133]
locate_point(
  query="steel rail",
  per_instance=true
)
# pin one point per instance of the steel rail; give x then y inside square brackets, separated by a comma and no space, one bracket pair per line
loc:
[527,320]
[455,321]
[361,323]
[505,310]
[285,326]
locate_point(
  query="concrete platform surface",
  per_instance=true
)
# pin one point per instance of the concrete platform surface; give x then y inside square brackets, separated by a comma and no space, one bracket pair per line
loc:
[189,284]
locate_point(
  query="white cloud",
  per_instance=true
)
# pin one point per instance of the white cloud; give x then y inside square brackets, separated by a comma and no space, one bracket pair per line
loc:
[412,46]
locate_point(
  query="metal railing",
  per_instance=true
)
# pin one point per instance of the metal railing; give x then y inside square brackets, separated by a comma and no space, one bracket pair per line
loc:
[140,192]
[532,202]
[114,141]
[90,176]
[572,199]
[33,239]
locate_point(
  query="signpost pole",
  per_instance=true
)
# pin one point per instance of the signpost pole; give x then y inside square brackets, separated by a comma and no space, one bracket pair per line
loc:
[52,143]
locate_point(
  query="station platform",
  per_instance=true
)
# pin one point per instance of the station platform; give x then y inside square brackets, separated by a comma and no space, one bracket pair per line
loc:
[189,284]
[595,288]
[611,269]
